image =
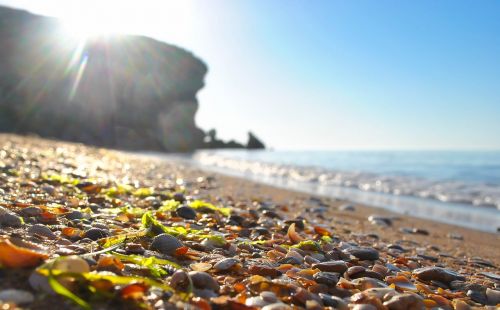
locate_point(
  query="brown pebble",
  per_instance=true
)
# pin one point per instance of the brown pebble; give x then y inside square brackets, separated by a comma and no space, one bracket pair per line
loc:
[331,266]
[263,270]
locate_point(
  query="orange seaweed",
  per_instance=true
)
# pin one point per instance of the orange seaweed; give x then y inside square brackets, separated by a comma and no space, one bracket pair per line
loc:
[12,256]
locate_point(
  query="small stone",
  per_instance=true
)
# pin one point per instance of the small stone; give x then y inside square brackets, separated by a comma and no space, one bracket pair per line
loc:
[437,274]
[203,280]
[420,231]
[74,215]
[327,278]
[333,301]
[257,301]
[19,297]
[363,253]
[347,207]
[277,306]
[491,275]
[166,244]
[364,307]
[7,218]
[41,230]
[405,301]
[265,271]
[356,272]
[493,297]
[380,220]
[135,248]
[186,212]
[74,264]
[478,296]
[180,280]
[455,236]
[226,264]
[95,234]
[179,197]
[268,296]
[30,211]
[331,266]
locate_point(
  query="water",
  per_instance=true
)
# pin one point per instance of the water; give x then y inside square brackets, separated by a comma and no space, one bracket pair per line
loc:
[456,187]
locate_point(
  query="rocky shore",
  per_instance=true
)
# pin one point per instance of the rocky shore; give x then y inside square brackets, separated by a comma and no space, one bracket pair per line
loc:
[90,228]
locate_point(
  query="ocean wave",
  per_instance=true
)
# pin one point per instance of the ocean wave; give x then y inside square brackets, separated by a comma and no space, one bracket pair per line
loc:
[453,191]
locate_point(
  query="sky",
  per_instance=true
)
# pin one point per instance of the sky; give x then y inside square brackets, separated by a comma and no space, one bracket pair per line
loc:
[325,75]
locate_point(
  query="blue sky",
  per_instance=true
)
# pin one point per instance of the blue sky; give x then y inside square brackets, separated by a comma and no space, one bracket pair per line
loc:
[331,74]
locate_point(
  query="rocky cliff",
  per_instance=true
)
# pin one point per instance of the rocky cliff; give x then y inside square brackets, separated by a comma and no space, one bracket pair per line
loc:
[127,92]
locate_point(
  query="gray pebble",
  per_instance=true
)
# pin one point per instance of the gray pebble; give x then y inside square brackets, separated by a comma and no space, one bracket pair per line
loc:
[166,244]
[19,297]
[41,230]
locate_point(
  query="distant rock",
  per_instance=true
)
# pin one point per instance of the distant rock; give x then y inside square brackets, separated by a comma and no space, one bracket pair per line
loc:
[254,143]
[126,92]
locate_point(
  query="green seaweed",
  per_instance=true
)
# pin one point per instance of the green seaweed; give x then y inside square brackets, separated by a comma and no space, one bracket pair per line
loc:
[307,245]
[143,192]
[154,264]
[169,205]
[200,204]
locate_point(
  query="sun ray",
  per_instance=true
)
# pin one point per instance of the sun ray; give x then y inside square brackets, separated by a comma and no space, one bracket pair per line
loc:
[79,75]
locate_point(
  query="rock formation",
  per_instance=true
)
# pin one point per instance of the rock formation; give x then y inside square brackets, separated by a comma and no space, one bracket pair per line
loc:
[254,143]
[127,92]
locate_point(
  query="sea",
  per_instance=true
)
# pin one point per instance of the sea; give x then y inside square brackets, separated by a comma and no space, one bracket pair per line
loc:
[457,187]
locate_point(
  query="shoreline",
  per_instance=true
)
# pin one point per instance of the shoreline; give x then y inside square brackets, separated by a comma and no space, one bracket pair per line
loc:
[474,243]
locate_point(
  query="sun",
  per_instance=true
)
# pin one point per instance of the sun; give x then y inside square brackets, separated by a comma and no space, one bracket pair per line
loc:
[83,29]
[91,18]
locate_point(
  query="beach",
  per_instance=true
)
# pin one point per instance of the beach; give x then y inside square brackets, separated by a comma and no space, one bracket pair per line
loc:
[63,185]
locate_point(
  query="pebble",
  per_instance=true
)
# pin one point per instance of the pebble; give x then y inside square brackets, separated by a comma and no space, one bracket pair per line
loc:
[420,231]
[19,297]
[356,272]
[74,215]
[437,274]
[186,212]
[493,296]
[380,220]
[265,271]
[226,264]
[455,236]
[180,280]
[406,301]
[95,234]
[256,301]
[72,264]
[364,307]
[30,211]
[166,244]
[331,266]
[179,197]
[135,248]
[363,253]
[478,296]
[204,280]
[347,207]
[41,230]
[333,301]
[7,218]
[268,296]
[277,306]
[327,278]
